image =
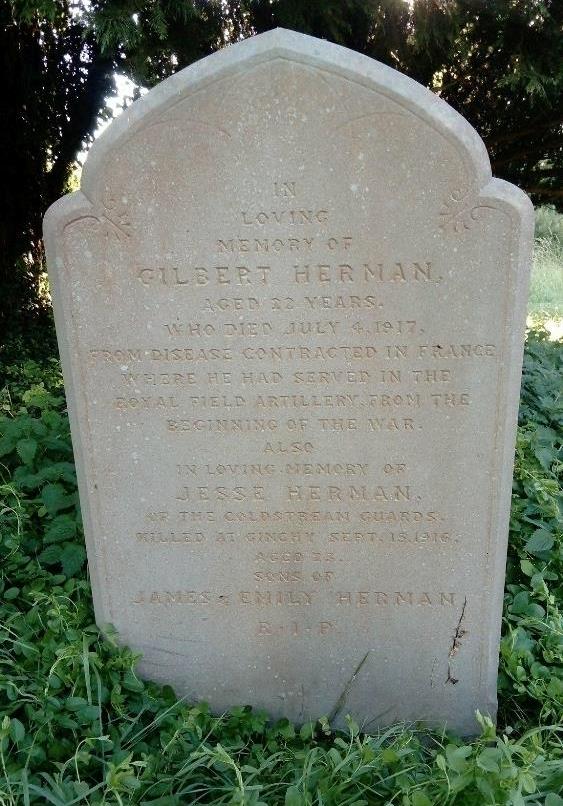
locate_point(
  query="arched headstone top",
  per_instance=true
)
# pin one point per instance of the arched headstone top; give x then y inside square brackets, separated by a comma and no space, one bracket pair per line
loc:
[307,52]
[231,64]
[290,304]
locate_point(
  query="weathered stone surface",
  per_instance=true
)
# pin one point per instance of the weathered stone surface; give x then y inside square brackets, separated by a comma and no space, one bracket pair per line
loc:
[290,306]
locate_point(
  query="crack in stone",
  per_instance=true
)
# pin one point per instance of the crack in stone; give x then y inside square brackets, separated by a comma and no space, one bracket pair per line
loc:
[341,702]
[456,644]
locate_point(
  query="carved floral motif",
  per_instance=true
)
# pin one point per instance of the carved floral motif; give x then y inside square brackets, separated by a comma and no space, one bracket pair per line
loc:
[460,211]
[111,217]
[114,216]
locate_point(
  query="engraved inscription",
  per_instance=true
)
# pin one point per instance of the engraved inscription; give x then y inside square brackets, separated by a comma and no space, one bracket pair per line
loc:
[288,291]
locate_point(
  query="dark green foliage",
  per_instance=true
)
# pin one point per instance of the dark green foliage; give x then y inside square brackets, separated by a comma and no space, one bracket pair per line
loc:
[503,70]
[78,726]
[498,62]
[54,81]
[147,47]
[532,647]
[541,401]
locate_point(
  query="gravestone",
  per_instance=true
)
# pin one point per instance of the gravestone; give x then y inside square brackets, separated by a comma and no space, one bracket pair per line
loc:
[290,305]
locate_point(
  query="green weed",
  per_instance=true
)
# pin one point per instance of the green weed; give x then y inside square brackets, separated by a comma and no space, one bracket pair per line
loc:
[77,726]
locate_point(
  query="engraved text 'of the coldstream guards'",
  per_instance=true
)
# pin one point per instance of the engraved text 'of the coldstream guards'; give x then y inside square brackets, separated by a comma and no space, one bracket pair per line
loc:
[290,305]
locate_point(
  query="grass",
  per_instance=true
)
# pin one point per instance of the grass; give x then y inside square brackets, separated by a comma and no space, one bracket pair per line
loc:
[546,287]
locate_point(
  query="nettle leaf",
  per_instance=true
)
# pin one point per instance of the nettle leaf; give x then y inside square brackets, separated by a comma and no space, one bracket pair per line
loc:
[62,528]
[53,420]
[39,428]
[55,498]
[131,682]
[520,602]
[555,690]
[516,798]
[307,730]
[50,555]
[457,757]
[527,568]
[13,429]
[389,756]
[540,542]
[17,730]
[7,444]
[441,762]
[75,703]
[72,558]
[89,713]
[489,759]
[522,643]
[81,788]
[55,471]
[27,448]
[59,444]
[293,797]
